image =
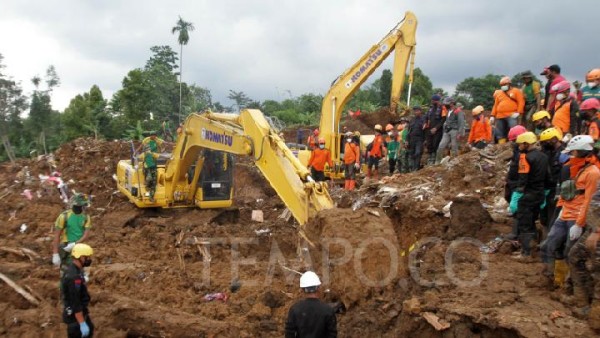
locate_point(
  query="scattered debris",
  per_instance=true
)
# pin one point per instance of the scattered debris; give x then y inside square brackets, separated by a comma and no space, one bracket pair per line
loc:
[257,216]
[23,228]
[20,290]
[261,232]
[215,296]
[435,321]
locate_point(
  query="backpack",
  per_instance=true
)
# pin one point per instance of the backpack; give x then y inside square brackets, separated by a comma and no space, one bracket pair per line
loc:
[568,188]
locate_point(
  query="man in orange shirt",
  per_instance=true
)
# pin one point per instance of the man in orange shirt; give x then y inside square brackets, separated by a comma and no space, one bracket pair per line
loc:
[318,158]
[312,141]
[588,112]
[481,130]
[351,162]
[574,211]
[565,109]
[508,107]
[376,150]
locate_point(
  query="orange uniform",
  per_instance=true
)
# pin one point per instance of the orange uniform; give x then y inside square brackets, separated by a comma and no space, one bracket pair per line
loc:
[564,117]
[507,103]
[378,148]
[576,209]
[351,153]
[480,131]
[312,142]
[318,158]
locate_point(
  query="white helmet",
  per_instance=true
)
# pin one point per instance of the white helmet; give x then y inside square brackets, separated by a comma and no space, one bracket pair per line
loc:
[309,279]
[580,142]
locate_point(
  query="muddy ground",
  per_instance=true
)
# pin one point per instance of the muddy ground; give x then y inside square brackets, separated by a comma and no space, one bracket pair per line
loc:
[390,253]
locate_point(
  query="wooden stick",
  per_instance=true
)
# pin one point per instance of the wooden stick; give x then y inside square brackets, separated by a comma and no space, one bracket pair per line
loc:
[291,270]
[19,290]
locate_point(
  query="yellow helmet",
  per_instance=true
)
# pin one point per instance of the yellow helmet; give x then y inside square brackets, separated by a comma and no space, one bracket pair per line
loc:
[549,133]
[378,127]
[527,137]
[540,115]
[81,249]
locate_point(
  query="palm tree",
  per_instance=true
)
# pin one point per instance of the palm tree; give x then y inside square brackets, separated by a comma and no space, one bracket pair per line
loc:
[183,27]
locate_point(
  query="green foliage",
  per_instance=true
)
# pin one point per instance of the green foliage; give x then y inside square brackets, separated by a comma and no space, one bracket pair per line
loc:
[478,91]
[86,115]
[422,88]
[240,98]
[183,28]
[135,133]
[385,87]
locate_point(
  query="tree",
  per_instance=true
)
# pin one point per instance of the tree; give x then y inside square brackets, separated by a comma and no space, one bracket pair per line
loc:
[478,91]
[42,120]
[86,115]
[183,28]
[240,98]
[201,98]
[385,87]
[12,104]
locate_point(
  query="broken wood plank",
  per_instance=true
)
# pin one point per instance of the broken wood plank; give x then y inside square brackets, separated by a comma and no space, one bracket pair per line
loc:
[435,321]
[290,270]
[23,252]
[19,290]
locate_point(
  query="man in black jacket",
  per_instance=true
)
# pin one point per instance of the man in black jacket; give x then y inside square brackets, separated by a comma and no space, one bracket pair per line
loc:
[75,295]
[416,136]
[310,317]
[434,122]
[533,168]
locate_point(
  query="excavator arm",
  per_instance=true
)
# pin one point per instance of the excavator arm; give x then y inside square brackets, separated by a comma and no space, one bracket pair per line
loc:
[400,39]
[246,134]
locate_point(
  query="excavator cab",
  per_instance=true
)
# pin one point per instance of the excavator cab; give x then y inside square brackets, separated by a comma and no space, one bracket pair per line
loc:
[216,177]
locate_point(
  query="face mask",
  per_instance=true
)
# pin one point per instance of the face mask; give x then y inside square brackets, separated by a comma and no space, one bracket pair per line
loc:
[87,262]
[321,146]
[560,96]
[591,84]
[504,88]
[348,140]
[389,133]
[77,209]
[548,145]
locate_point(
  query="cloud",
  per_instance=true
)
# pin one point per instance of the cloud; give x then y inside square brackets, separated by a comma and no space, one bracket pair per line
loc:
[267,47]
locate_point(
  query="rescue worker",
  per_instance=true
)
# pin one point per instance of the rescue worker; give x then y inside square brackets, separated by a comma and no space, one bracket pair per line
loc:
[434,121]
[588,111]
[480,134]
[508,107]
[166,130]
[553,76]
[403,148]
[393,146]
[453,129]
[313,140]
[417,133]
[351,162]
[319,157]
[310,317]
[532,95]
[153,141]
[592,87]
[71,227]
[149,158]
[541,121]
[565,109]
[376,150]
[529,193]
[75,296]
[552,147]
[512,176]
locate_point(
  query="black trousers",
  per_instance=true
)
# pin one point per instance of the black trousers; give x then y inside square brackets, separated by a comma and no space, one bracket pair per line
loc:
[73,330]
[318,176]
[433,140]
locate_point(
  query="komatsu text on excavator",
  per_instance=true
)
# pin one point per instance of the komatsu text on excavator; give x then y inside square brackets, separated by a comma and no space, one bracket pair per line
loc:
[400,39]
[199,171]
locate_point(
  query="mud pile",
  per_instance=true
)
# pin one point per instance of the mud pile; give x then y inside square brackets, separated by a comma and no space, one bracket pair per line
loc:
[217,273]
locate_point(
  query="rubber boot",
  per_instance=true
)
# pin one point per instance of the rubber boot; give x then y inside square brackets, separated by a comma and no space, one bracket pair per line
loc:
[346,184]
[501,141]
[352,185]
[525,240]
[581,301]
[561,269]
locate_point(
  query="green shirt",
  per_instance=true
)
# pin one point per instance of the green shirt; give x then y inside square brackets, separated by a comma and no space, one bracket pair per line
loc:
[150,159]
[392,147]
[153,144]
[74,225]
[531,90]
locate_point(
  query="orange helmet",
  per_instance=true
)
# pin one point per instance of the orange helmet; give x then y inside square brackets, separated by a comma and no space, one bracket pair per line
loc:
[321,140]
[505,80]
[389,127]
[400,127]
[593,75]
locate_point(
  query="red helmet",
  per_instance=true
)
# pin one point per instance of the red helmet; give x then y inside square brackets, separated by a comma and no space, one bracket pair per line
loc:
[560,87]
[515,131]
[389,127]
[593,75]
[590,104]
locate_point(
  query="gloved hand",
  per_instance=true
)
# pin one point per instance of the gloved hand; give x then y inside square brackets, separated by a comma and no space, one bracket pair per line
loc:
[85,329]
[56,259]
[515,115]
[492,120]
[567,138]
[575,232]
[356,166]
[69,247]
[514,201]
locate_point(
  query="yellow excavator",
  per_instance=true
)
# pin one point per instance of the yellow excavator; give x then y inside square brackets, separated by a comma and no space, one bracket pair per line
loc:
[400,39]
[199,172]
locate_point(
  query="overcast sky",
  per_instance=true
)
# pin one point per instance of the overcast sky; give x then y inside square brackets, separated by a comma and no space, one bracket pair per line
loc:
[271,48]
